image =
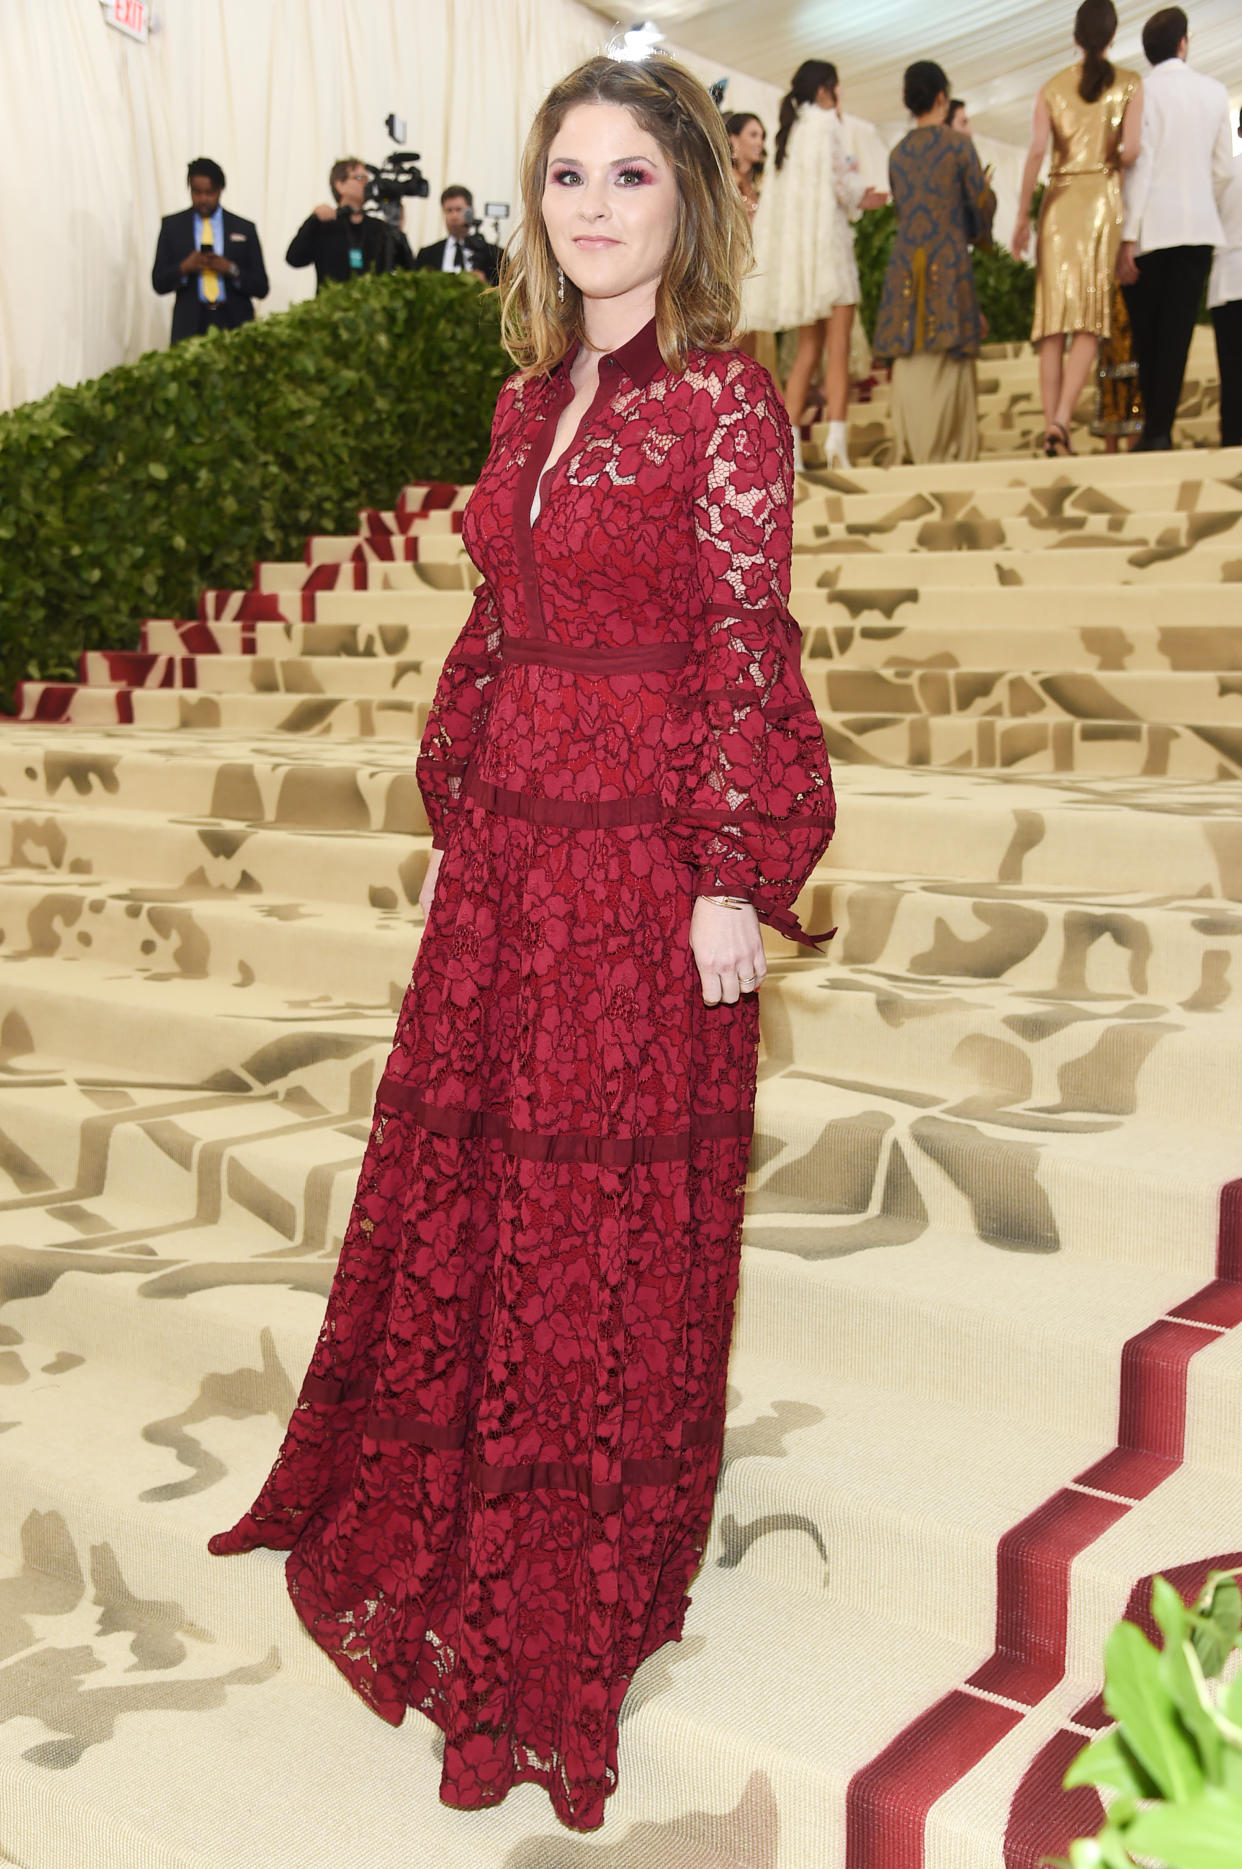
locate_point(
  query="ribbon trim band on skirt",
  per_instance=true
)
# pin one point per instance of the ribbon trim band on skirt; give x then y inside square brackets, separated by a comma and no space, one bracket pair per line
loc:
[559,1475]
[536,1146]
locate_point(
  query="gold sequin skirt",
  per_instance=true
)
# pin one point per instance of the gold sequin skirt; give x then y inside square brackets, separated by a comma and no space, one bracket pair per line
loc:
[1079,233]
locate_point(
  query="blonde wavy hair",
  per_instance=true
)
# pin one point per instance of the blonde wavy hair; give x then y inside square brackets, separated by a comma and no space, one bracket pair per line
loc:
[699,299]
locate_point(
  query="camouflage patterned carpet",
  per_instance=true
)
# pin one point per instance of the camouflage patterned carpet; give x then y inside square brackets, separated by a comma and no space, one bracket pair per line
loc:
[986,1377]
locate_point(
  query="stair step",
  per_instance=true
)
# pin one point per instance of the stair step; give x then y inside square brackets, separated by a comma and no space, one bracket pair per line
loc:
[200,857]
[387,717]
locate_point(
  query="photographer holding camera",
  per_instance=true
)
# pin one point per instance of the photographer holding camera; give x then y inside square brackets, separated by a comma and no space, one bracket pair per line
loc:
[463,249]
[340,239]
[210,258]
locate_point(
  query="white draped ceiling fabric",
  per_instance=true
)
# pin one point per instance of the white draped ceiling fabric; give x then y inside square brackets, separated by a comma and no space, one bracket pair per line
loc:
[96,131]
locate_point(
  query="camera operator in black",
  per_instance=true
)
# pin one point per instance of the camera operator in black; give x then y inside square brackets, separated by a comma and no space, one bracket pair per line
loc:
[210,258]
[463,249]
[340,240]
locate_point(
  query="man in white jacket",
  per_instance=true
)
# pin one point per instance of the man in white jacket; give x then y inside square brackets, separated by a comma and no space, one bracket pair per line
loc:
[1225,301]
[1172,215]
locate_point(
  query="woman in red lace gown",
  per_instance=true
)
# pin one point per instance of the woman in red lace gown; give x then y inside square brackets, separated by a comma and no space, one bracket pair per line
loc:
[497,1482]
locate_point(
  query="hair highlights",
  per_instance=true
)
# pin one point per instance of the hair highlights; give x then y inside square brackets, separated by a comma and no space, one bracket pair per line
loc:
[698,301]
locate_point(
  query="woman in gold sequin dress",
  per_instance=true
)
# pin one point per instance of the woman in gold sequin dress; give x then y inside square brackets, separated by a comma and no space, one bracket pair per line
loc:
[1092,113]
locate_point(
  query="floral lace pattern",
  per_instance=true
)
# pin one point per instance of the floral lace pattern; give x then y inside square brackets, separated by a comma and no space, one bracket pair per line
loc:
[497,1483]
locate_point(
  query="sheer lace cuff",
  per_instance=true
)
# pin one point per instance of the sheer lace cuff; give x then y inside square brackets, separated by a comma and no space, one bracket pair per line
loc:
[752,807]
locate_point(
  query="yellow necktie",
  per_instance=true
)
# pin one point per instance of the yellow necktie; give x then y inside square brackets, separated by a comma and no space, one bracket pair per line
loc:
[211,281]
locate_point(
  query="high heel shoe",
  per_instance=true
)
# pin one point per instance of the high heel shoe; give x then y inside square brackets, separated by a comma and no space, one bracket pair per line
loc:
[836,448]
[1057,442]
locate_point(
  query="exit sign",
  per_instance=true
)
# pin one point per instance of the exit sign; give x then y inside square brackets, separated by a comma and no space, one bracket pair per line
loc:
[129,16]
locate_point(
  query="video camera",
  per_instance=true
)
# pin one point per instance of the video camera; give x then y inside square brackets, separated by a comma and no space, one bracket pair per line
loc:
[398,177]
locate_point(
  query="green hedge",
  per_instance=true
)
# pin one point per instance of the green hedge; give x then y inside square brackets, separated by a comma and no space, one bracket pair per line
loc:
[1006,286]
[124,497]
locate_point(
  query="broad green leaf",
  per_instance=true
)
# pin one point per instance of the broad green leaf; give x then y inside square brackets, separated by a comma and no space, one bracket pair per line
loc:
[1231,1700]
[1172,1616]
[1109,1762]
[157,470]
[1135,1693]
[1231,1771]
[1205,1833]
[1217,1621]
[1190,1695]
[1105,1851]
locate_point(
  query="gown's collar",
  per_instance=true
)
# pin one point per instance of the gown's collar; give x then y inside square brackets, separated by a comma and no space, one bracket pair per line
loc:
[639,358]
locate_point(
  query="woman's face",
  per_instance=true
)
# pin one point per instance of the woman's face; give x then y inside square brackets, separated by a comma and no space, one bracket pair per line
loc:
[747,143]
[609,202]
[827,98]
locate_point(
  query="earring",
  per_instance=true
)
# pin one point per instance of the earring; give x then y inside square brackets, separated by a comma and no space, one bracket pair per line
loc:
[560,285]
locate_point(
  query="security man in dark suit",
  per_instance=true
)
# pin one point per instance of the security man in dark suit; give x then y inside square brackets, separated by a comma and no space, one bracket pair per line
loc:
[210,258]
[462,250]
[340,240]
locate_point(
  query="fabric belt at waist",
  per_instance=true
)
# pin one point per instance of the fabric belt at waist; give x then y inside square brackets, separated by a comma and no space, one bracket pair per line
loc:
[588,660]
[1068,175]
[580,814]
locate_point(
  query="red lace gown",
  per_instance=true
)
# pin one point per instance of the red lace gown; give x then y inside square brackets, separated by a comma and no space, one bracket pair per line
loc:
[497,1482]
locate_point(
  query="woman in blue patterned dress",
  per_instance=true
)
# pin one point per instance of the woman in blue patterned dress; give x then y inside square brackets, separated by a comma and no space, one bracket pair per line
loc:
[929,324]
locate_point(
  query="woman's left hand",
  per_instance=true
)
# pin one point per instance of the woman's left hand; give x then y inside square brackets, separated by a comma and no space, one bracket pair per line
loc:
[728,951]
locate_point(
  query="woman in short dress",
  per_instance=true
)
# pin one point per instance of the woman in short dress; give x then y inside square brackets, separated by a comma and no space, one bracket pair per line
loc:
[806,275]
[1092,114]
[496,1485]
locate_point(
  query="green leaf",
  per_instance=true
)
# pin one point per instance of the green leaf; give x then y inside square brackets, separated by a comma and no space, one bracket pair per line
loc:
[1110,1763]
[1190,1695]
[1217,1621]
[1205,1833]
[1135,1693]
[1231,1771]
[1106,1851]
[157,470]
[1231,1704]
[1184,1676]
[1172,1616]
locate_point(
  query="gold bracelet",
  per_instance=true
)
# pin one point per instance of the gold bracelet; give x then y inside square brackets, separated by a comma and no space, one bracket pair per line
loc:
[727,902]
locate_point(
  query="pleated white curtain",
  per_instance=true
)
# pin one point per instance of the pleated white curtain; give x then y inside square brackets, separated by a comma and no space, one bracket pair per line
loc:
[96,131]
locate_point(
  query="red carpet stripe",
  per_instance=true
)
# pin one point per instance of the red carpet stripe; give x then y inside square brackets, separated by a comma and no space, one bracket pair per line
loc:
[888,1800]
[1044,1819]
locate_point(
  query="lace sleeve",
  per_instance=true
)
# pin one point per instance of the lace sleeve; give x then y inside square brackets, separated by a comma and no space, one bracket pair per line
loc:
[755,809]
[458,712]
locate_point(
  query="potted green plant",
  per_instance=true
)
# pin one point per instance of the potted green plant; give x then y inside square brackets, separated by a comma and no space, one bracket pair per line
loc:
[1173,1762]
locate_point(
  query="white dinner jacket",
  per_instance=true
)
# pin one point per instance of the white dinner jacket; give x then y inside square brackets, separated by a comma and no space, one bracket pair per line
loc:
[1174,190]
[1225,285]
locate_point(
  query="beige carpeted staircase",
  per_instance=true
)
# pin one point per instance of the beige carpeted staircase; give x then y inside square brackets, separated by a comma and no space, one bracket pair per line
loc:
[986,1376]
